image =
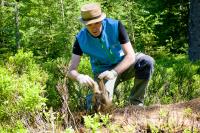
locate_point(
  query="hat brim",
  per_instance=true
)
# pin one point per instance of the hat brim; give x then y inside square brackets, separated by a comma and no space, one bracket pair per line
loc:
[102,17]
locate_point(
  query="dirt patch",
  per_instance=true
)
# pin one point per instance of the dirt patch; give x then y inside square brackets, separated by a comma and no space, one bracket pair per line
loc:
[176,118]
[179,116]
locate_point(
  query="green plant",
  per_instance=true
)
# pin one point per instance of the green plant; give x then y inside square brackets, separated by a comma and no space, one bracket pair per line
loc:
[96,122]
[175,79]
[187,131]
[115,128]
[92,123]
[105,118]
[21,89]
[187,112]
[163,113]
[69,130]
[153,128]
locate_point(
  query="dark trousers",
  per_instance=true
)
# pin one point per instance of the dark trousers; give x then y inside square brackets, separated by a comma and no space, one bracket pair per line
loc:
[140,72]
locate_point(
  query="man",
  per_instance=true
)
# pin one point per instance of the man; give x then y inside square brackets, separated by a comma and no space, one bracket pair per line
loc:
[111,55]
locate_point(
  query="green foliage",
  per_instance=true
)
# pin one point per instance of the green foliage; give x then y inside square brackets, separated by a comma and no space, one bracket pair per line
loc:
[17,128]
[163,113]
[190,131]
[188,112]
[21,88]
[153,128]
[77,93]
[69,130]
[48,29]
[54,75]
[7,32]
[174,79]
[169,23]
[105,118]
[94,122]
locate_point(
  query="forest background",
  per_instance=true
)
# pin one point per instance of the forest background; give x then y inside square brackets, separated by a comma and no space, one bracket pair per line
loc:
[36,40]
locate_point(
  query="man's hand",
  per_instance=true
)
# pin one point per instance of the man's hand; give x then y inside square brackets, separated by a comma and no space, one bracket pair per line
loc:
[85,80]
[108,75]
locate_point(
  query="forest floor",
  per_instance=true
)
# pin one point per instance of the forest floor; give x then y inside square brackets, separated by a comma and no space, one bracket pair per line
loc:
[183,117]
[178,117]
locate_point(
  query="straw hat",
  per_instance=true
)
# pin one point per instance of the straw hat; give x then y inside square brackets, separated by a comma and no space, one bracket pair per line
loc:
[91,13]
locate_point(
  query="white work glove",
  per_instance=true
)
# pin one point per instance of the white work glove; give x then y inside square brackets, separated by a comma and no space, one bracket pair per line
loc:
[108,75]
[85,80]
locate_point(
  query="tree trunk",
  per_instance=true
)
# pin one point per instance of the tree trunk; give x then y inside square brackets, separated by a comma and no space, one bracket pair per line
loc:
[17,25]
[194,30]
[62,10]
[16,12]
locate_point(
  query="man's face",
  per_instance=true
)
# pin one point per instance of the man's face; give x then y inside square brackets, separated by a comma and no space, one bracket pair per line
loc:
[95,28]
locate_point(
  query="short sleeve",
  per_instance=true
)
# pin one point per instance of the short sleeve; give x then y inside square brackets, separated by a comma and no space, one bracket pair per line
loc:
[123,36]
[76,48]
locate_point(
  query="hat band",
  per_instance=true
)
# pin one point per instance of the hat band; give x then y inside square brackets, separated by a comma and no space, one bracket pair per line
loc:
[91,18]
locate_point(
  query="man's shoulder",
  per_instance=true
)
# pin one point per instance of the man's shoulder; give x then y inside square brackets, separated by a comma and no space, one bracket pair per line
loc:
[111,20]
[111,24]
[82,31]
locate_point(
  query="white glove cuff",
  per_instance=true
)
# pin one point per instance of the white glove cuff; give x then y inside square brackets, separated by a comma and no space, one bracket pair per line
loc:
[114,73]
[78,77]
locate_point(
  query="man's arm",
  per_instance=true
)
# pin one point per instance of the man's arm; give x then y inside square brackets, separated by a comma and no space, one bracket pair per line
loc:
[75,75]
[127,48]
[75,60]
[128,60]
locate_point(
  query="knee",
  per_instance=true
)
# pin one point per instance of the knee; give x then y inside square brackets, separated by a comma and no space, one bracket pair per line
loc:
[144,67]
